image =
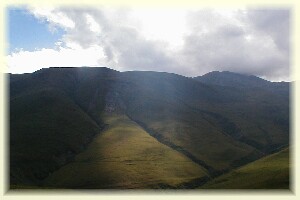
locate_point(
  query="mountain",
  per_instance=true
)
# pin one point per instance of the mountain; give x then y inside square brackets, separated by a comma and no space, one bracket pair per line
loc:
[235,80]
[125,156]
[272,170]
[75,121]
[227,78]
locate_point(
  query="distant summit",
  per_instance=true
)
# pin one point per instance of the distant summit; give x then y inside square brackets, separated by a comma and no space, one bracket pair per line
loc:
[231,79]
[243,81]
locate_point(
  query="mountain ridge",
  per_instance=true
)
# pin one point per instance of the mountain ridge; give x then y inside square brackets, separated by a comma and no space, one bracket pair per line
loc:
[213,76]
[222,126]
[193,77]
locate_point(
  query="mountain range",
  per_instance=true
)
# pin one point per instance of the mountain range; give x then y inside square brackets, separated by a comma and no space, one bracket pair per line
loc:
[100,128]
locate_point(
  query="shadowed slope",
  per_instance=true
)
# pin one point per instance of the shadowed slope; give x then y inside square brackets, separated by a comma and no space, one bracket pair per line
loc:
[46,130]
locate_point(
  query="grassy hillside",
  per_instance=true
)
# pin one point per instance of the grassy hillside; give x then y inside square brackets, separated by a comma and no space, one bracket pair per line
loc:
[125,156]
[271,172]
[55,113]
[46,130]
[262,116]
[210,123]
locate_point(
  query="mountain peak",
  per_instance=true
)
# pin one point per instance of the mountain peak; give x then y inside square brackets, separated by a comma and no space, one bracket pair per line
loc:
[232,79]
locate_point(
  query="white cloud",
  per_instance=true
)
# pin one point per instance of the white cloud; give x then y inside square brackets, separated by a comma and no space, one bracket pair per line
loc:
[187,42]
[52,16]
[26,61]
[94,26]
[162,25]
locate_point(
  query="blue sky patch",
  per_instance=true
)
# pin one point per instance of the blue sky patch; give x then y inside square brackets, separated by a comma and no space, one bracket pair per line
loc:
[26,32]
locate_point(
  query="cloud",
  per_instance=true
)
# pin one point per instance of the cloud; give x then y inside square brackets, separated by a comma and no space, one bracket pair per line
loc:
[124,47]
[186,42]
[238,43]
[26,61]
[52,16]
[275,23]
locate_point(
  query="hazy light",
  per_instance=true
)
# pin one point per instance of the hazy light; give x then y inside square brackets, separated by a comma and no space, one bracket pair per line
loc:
[162,24]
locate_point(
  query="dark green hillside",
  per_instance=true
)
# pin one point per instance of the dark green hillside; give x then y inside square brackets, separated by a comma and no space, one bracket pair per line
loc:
[271,172]
[46,130]
[226,78]
[56,113]
[235,80]
[263,116]
[49,123]
[198,118]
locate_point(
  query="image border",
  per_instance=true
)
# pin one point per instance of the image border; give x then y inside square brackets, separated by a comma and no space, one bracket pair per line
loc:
[112,194]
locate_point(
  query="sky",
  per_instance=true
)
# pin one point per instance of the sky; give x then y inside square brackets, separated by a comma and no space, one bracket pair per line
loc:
[185,41]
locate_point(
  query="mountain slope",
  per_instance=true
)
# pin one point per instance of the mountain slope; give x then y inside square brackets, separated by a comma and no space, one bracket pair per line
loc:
[219,128]
[271,172]
[196,116]
[125,156]
[226,78]
[241,81]
[49,125]
[46,130]
[263,99]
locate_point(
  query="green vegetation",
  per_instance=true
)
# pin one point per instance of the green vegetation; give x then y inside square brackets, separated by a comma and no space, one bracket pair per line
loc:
[125,156]
[37,145]
[214,125]
[271,172]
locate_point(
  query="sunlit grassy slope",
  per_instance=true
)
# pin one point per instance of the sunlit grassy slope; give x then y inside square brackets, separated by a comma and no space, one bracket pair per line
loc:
[125,156]
[271,172]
